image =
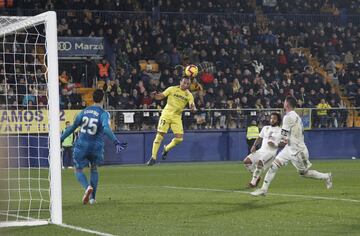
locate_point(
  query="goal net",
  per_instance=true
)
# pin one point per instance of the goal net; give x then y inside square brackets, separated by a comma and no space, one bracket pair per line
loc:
[30,164]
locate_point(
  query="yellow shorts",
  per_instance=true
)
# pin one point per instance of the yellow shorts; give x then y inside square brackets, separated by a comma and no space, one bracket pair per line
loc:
[175,124]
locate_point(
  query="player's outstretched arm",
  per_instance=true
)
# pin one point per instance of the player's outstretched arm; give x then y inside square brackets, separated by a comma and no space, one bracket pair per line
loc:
[161,96]
[158,96]
[192,107]
[72,128]
[105,119]
[192,103]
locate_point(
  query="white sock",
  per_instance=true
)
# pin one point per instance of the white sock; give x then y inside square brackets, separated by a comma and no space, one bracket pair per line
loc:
[256,175]
[269,176]
[316,174]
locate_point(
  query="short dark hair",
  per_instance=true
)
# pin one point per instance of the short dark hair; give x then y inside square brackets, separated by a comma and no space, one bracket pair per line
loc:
[292,101]
[278,116]
[98,95]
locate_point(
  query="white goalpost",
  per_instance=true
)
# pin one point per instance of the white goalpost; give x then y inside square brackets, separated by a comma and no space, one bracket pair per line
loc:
[30,160]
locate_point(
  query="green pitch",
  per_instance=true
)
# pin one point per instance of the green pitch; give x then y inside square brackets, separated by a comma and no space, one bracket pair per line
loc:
[210,199]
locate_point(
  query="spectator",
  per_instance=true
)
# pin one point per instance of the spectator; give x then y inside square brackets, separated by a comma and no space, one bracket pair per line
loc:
[333,96]
[282,60]
[146,99]
[30,98]
[258,104]
[104,70]
[322,113]
[357,98]
[112,100]
[235,86]
[75,98]
[351,89]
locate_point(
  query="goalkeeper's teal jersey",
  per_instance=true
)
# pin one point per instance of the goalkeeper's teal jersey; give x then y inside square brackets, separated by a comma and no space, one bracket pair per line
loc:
[94,122]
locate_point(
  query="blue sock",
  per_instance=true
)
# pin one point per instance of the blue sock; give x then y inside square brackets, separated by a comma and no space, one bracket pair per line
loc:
[81,177]
[94,179]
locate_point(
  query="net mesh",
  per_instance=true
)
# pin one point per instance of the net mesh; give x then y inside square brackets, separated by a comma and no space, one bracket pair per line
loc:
[24,142]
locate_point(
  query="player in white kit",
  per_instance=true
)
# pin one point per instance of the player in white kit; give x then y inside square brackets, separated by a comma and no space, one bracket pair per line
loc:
[261,159]
[295,150]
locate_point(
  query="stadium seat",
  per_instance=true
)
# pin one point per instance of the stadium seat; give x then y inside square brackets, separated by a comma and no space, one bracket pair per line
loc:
[87,95]
[144,65]
[100,84]
[357,121]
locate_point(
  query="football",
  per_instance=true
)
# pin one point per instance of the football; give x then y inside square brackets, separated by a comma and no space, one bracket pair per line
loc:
[191,70]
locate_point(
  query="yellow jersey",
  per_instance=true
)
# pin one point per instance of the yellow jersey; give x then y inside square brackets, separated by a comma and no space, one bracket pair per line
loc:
[177,99]
[322,109]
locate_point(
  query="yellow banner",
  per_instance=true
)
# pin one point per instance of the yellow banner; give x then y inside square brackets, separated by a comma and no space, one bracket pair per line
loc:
[31,121]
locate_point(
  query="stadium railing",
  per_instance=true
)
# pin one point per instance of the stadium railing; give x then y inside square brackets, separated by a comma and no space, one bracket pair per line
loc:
[201,17]
[205,119]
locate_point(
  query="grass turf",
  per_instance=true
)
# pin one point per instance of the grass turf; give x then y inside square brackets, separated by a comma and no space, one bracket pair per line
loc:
[209,199]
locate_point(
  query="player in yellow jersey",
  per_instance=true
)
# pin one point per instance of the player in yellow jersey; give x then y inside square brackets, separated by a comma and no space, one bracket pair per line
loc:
[177,99]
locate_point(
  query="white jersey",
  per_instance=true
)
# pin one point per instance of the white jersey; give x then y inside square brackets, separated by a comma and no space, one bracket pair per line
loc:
[270,133]
[293,124]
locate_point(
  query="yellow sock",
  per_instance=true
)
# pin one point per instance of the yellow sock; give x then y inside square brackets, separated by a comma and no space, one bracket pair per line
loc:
[173,143]
[156,145]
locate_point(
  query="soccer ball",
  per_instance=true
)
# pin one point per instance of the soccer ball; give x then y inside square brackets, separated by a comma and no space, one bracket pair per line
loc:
[191,71]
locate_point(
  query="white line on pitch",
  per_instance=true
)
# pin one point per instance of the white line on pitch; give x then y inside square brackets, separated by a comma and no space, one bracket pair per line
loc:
[85,230]
[229,191]
[273,194]
[63,225]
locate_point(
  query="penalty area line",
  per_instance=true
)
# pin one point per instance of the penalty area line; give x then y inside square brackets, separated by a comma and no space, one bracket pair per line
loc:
[84,230]
[271,194]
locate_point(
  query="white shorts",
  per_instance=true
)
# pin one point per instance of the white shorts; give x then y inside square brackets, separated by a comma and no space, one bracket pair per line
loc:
[266,158]
[300,160]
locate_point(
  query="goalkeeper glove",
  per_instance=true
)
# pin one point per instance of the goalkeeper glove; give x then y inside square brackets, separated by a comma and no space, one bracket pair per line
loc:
[120,146]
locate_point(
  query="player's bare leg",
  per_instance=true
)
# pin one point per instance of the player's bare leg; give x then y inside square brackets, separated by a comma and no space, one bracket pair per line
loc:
[248,164]
[256,174]
[270,175]
[155,148]
[175,141]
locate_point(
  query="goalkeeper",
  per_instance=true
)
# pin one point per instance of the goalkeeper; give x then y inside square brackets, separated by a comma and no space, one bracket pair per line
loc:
[177,99]
[94,121]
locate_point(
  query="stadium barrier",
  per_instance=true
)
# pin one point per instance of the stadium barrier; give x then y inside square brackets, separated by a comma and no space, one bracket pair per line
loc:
[200,145]
[228,119]
[230,145]
[219,141]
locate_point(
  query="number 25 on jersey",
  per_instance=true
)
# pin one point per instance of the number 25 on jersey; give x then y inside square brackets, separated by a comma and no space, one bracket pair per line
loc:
[89,125]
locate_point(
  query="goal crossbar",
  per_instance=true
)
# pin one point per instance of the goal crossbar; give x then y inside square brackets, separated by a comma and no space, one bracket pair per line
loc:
[25,22]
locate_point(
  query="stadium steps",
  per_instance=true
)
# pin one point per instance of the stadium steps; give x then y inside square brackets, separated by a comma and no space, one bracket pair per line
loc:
[86,95]
[353,119]
[261,19]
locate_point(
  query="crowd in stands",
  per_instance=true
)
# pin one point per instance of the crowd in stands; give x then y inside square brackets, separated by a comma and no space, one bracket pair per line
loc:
[253,65]
[22,75]
[231,6]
